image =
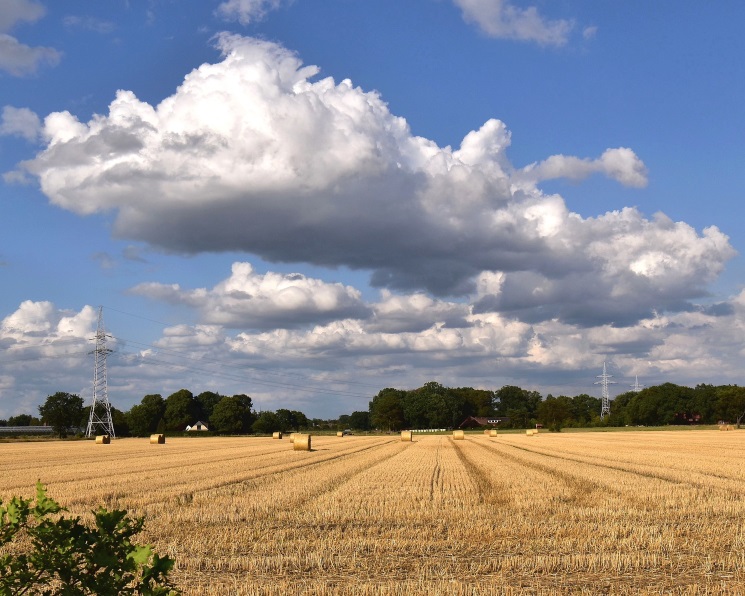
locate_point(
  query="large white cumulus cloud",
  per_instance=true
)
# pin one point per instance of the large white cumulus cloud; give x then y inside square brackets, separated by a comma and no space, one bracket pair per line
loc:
[257,154]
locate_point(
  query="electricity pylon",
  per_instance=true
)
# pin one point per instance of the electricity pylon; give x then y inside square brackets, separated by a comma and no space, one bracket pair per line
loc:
[605,405]
[636,387]
[100,416]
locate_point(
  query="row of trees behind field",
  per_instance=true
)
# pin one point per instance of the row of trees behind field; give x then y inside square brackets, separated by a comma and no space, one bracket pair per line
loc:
[224,414]
[436,406]
[430,406]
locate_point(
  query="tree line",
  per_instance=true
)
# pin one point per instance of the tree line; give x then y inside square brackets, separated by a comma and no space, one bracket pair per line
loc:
[436,406]
[430,406]
[223,414]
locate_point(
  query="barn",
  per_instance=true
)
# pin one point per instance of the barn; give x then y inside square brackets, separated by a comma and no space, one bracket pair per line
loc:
[483,421]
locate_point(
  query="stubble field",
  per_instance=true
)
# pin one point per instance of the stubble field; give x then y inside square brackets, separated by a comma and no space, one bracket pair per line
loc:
[594,513]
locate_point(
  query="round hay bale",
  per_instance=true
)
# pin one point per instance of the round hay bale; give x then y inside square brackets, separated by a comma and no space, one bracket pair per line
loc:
[459,435]
[301,443]
[486,431]
[276,435]
[157,439]
[529,432]
[103,439]
[339,433]
[292,437]
[406,435]
[493,433]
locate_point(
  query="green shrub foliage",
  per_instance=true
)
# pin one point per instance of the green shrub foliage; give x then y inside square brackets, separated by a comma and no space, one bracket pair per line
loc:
[66,557]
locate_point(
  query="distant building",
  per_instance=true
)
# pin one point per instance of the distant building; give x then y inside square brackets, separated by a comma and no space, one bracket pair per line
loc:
[481,421]
[197,426]
[26,430]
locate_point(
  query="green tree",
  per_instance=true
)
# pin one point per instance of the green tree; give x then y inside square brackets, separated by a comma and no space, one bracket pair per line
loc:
[359,420]
[230,416]
[291,420]
[477,402]
[520,405]
[207,402]
[250,414]
[143,419]
[266,423]
[62,411]
[415,406]
[730,405]
[386,409]
[554,412]
[121,424]
[72,557]
[21,420]
[181,410]
[619,415]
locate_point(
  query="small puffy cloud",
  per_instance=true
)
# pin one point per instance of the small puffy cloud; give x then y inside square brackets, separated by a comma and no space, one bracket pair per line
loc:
[502,19]
[17,11]
[247,11]
[620,164]
[19,59]
[272,300]
[20,122]
[257,154]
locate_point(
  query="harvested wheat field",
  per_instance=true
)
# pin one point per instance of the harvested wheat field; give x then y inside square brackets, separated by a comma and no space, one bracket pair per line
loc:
[594,513]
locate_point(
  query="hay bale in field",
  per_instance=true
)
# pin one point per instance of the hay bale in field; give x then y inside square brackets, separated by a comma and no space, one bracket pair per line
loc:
[339,433]
[301,443]
[530,433]
[486,431]
[406,435]
[157,439]
[459,435]
[493,432]
[277,435]
[292,437]
[103,440]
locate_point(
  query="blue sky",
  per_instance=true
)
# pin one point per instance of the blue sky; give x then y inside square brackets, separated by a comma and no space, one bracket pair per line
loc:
[309,201]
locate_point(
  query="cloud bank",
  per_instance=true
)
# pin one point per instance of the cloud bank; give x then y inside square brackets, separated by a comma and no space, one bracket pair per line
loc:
[257,154]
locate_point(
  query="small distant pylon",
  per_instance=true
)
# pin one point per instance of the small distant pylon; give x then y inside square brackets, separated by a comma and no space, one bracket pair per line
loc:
[636,386]
[99,421]
[605,404]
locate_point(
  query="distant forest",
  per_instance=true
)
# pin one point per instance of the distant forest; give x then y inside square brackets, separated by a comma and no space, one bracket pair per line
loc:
[430,406]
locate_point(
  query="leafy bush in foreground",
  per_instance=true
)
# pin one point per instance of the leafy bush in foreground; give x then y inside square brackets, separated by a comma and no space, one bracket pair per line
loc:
[66,557]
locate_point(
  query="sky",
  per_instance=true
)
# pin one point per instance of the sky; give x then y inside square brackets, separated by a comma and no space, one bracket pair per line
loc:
[308,201]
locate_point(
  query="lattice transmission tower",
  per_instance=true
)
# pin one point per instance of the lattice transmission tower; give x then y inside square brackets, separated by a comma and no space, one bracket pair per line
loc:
[604,381]
[636,386]
[99,421]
